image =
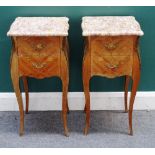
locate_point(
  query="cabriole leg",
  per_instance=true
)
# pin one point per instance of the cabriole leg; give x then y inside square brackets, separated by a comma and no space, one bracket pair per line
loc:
[135,78]
[26,93]
[127,81]
[15,81]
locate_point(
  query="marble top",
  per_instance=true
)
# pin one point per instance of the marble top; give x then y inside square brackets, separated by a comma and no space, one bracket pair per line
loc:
[110,26]
[39,26]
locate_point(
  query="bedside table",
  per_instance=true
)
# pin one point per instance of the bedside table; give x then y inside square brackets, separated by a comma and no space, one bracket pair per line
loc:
[111,50]
[40,50]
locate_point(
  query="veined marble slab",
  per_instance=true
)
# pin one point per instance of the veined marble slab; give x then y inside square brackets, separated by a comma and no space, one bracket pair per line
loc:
[39,26]
[110,26]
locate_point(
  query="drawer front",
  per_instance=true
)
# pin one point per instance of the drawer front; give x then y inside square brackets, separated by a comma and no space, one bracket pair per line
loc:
[29,45]
[111,66]
[113,46]
[39,57]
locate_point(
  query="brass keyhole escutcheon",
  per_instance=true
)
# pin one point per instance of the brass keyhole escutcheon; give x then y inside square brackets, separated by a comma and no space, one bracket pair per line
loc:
[110,46]
[110,66]
[38,65]
[38,47]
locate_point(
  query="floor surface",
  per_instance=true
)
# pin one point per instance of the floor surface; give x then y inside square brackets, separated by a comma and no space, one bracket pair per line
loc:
[108,129]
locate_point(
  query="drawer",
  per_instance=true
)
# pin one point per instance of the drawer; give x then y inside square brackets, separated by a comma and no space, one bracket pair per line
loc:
[34,45]
[39,56]
[113,45]
[111,66]
[39,68]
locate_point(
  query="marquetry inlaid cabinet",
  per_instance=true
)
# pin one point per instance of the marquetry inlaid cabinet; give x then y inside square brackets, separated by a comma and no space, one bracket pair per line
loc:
[111,50]
[39,50]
